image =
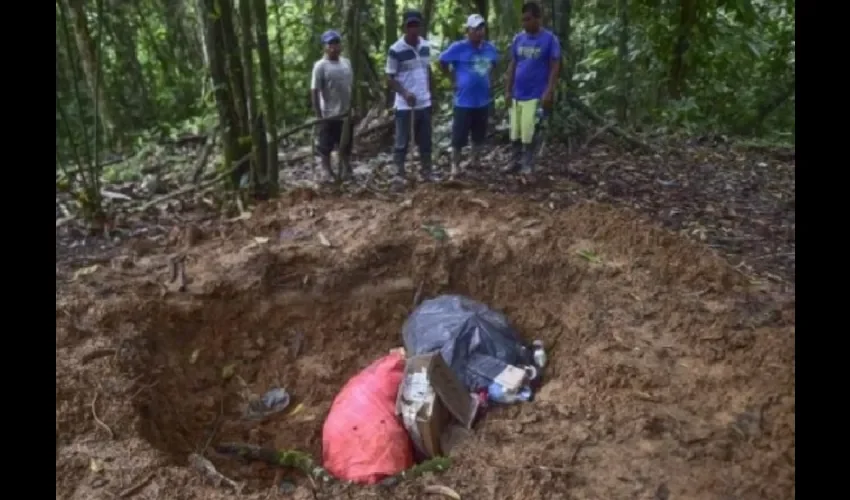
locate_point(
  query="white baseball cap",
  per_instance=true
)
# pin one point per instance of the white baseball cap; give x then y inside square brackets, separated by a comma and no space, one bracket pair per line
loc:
[475,21]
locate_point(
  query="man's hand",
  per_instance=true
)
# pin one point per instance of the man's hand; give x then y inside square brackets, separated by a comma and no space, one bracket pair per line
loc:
[547,99]
[508,100]
[409,98]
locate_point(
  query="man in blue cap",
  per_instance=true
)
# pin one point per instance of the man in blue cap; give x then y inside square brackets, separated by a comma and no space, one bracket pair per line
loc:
[409,76]
[331,86]
[469,64]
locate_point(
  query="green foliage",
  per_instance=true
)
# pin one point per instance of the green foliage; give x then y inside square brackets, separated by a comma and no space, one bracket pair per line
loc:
[737,67]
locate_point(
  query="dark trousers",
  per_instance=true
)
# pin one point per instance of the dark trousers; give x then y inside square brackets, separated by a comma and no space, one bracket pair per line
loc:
[330,137]
[421,119]
[468,122]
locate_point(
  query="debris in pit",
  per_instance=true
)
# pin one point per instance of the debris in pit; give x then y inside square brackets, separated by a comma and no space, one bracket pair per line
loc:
[429,396]
[438,489]
[362,438]
[488,361]
[294,459]
[228,371]
[273,401]
[437,231]
[207,470]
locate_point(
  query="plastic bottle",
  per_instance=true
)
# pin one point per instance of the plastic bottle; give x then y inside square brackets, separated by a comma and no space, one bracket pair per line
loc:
[539,354]
[497,394]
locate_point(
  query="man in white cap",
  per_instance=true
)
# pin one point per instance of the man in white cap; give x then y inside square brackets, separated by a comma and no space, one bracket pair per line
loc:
[469,64]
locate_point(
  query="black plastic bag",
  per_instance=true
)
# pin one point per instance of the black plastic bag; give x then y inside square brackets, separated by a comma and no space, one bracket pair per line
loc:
[474,340]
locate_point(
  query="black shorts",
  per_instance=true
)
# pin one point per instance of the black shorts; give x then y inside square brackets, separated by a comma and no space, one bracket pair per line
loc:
[330,136]
[469,121]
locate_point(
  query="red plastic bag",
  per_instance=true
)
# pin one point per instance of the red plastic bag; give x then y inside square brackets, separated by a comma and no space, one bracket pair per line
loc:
[363,440]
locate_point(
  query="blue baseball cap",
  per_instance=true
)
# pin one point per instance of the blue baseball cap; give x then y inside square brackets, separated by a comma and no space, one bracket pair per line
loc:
[330,36]
[411,16]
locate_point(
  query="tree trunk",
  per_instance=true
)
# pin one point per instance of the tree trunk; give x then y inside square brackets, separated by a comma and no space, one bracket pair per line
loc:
[258,135]
[234,65]
[623,61]
[352,25]
[268,86]
[90,64]
[223,99]
[687,21]
[390,35]
[427,15]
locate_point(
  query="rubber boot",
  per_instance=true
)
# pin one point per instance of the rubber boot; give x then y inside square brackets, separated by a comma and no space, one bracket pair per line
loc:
[398,160]
[326,168]
[475,157]
[455,163]
[425,172]
[528,159]
[516,158]
[347,171]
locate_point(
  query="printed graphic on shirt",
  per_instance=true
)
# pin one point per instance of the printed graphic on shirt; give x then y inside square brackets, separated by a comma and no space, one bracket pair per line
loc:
[481,65]
[529,51]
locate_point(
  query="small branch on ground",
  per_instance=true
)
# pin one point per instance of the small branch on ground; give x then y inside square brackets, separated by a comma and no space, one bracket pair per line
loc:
[203,157]
[97,419]
[617,131]
[208,470]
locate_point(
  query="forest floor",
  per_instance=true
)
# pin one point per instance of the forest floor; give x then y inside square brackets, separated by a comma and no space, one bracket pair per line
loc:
[663,289]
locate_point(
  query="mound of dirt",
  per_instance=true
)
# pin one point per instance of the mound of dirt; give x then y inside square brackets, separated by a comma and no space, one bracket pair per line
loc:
[670,376]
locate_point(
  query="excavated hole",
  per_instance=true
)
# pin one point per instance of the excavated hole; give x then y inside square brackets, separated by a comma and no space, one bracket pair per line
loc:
[309,339]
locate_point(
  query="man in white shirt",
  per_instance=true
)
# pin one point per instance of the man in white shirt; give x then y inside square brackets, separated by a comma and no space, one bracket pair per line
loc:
[409,76]
[331,92]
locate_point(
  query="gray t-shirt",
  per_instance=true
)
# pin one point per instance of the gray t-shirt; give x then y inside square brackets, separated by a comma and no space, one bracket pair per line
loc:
[334,80]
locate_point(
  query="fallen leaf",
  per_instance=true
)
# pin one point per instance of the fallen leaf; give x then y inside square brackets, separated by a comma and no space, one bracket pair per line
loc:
[324,241]
[479,202]
[589,255]
[193,358]
[86,271]
[228,371]
[95,465]
[298,408]
[438,489]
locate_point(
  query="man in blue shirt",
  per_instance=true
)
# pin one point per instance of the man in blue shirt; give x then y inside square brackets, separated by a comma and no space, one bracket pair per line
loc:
[469,63]
[530,85]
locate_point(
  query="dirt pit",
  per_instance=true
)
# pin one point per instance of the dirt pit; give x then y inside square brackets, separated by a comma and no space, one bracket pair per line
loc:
[670,375]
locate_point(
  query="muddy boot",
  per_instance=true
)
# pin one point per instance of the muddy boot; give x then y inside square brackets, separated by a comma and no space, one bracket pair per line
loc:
[347,173]
[516,158]
[400,172]
[528,160]
[328,174]
[425,172]
[475,157]
[455,172]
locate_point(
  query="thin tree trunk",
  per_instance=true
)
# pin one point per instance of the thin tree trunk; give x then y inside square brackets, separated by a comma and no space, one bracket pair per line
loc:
[390,35]
[88,57]
[218,71]
[268,86]
[234,65]
[687,21]
[623,61]
[258,135]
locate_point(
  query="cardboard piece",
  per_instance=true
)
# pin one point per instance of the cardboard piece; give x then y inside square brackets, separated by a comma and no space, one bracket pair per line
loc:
[429,399]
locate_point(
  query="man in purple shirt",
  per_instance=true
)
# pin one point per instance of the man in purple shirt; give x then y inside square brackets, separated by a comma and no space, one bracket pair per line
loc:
[530,87]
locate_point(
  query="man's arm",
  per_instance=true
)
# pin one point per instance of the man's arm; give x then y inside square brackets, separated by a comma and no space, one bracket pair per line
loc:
[392,71]
[554,65]
[316,84]
[447,58]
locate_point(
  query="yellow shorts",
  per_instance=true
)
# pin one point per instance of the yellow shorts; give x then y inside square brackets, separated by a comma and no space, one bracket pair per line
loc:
[523,117]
